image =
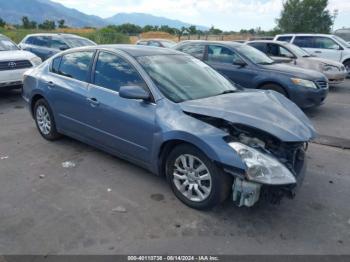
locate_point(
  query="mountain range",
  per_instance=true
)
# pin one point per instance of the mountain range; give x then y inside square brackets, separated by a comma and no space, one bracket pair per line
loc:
[12,12]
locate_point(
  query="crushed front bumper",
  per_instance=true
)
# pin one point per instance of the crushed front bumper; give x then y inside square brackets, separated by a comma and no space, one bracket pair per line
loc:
[246,193]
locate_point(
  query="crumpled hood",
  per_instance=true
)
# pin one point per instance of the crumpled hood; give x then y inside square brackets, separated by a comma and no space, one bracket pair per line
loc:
[16,55]
[268,111]
[294,71]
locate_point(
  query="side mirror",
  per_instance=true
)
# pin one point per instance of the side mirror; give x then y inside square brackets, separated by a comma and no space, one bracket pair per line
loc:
[239,62]
[134,92]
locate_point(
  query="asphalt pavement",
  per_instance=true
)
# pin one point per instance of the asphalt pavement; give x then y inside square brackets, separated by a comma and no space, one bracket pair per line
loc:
[65,197]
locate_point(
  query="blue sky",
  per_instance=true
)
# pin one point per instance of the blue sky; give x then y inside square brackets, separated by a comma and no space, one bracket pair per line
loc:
[224,14]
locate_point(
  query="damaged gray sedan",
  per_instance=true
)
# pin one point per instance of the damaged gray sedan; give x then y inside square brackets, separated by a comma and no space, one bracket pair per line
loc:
[174,115]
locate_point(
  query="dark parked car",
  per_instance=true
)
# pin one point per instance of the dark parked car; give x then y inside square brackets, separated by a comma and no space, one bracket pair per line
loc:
[46,45]
[157,43]
[174,115]
[251,68]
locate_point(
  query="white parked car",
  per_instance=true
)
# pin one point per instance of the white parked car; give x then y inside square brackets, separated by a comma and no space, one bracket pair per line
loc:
[326,46]
[13,63]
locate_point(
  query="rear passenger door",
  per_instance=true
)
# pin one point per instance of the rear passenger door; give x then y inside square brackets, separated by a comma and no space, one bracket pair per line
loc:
[123,125]
[222,59]
[67,85]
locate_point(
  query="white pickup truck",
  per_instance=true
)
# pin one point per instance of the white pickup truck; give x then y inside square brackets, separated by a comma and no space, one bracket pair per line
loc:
[13,63]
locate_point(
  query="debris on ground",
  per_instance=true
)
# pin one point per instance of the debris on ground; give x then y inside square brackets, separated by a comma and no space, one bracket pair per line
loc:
[68,164]
[119,209]
[109,190]
[4,157]
[42,176]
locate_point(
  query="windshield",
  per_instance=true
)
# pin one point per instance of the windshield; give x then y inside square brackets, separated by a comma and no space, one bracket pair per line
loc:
[7,45]
[297,50]
[342,41]
[77,42]
[168,44]
[181,77]
[254,55]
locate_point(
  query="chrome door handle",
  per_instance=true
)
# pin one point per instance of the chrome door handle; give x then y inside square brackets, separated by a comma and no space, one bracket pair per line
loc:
[93,101]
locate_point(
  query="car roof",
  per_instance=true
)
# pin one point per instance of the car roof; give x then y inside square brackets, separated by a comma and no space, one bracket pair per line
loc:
[55,34]
[227,43]
[135,50]
[156,39]
[301,34]
[268,42]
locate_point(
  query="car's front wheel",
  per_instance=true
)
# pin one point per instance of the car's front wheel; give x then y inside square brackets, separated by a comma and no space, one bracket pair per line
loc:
[195,179]
[347,67]
[45,121]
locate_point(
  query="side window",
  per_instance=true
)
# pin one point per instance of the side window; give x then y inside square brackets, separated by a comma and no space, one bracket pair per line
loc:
[284,38]
[76,65]
[142,43]
[57,43]
[304,41]
[112,72]
[220,54]
[55,65]
[153,43]
[284,52]
[30,40]
[194,50]
[260,46]
[41,41]
[273,50]
[326,43]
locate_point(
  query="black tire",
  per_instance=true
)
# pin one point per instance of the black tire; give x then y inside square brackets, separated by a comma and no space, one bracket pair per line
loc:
[347,66]
[52,133]
[276,88]
[221,182]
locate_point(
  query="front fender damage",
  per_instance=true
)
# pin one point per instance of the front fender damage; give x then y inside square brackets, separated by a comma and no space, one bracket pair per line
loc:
[291,154]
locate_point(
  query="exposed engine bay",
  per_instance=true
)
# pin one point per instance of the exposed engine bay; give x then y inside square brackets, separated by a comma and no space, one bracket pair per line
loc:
[290,154]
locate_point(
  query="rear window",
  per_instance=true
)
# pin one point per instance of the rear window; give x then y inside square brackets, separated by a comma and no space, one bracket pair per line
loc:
[78,42]
[41,41]
[259,46]
[304,41]
[284,38]
[194,50]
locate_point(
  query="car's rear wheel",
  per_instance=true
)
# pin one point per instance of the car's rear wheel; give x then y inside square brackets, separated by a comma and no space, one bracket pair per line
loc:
[45,121]
[195,179]
[276,88]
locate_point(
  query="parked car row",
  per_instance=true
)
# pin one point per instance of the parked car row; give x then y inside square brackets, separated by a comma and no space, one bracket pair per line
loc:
[250,68]
[183,113]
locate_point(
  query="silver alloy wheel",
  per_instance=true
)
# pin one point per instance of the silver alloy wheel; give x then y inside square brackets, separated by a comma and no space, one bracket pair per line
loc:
[43,119]
[192,178]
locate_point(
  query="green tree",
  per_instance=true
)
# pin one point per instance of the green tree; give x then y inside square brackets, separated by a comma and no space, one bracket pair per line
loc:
[48,25]
[305,16]
[2,22]
[215,31]
[147,28]
[27,24]
[61,23]
[192,30]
